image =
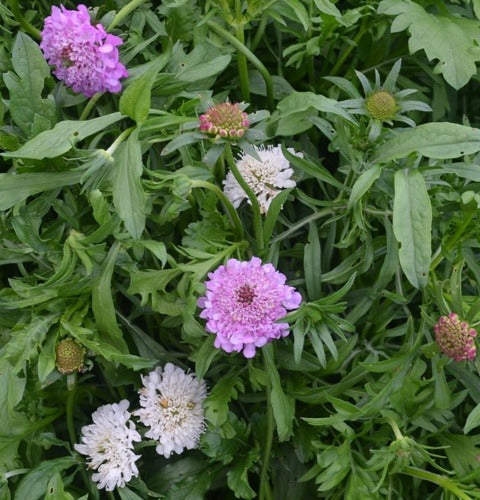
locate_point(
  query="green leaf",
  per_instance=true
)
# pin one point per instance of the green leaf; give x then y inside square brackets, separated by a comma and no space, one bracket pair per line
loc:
[473,420]
[295,110]
[363,184]
[453,40]
[412,225]
[327,7]
[14,188]
[237,476]
[216,403]
[136,98]
[283,406]
[56,490]
[312,264]
[272,214]
[204,69]
[34,485]
[62,137]
[128,194]
[11,393]
[440,140]
[29,110]
[470,171]
[102,303]
[127,494]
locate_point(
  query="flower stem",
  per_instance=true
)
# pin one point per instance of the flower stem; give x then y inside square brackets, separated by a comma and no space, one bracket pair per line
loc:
[348,50]
[90,105]
[254,60]
[28,28]
[124,12]
[119,140]
[265,490]
[232,213]
[441,481]
[395,428]
[241,59]
[257,217]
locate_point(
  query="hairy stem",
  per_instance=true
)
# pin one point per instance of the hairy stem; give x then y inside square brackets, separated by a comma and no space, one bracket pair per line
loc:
[90,105]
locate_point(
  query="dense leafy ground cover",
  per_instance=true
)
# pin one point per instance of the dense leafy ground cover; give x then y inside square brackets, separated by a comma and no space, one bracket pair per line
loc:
[116,207]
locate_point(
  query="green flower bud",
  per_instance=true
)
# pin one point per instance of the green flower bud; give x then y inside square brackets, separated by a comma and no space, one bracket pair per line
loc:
[381,105]
[70,356]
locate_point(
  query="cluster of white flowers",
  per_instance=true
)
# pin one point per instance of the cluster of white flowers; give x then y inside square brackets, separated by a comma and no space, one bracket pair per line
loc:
[108,443]
[266,177]
[172,407]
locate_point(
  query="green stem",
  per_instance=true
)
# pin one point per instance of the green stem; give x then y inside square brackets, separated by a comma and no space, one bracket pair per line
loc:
[242,67]
[119,140]
[254,60]
[124,12]
[441,481]
[71,431]
[259,33]
[111,495]
[70,426]
[232,213]
[90,105]
[348,50]
[395,428]
[257,216]
[28,28]
[265,490]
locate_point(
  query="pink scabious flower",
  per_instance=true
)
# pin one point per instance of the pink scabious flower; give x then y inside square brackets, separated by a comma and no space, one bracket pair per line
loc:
[455,338]
[85,56]
[225,120]
[243,302]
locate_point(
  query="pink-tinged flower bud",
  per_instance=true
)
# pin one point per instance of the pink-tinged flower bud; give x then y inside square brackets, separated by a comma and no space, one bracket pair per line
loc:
[455,338]
[225,120]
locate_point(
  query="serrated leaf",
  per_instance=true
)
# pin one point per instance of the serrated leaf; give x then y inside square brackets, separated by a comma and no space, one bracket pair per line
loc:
[29,110]
[128,194]
[453,40]
[412,225]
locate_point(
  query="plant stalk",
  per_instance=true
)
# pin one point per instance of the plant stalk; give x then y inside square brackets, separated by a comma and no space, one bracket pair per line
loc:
[232,213]
[27,27]
[265,490]
[124,12]
[254,60]
[257,217]
[90,105]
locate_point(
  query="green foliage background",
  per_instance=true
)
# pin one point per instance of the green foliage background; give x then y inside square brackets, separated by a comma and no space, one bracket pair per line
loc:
[110,220]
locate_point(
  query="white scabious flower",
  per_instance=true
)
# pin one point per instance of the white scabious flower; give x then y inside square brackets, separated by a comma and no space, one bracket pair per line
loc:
[171,403]
[266,178]
[108,443]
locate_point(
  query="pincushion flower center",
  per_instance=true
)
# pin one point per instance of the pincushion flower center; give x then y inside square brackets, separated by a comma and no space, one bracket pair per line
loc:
[245,294]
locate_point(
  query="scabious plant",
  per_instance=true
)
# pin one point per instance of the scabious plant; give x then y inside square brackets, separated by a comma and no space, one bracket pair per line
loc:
[172,408]
[85,56]
[455,338]
[382,102]
[243,302]
[266,177]
[108,444]
[224,120]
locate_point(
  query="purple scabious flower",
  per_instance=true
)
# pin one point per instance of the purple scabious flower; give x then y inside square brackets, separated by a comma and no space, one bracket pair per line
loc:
[455,338]
[243,302]
[85,56]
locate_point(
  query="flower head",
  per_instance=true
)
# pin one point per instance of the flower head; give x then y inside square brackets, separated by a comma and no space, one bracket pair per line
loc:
[266,177]
[225,120]
[171,403]
[85,56]
[108,443]
[243,302]
[69,356]
[382,103]
[455,338]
